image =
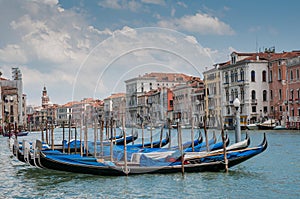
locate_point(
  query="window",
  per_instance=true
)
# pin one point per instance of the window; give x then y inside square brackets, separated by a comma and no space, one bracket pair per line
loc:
[297,74]
[292,75]
[272,109]
[233,59]
[279,74]
[227,96]
[298,94]
[292,95]
[280,94]
[253,109]
[242,94]
[242,74]
[232,76]
[253,95]
[264,95]
[271,76]
[232,95]
[253,76]
[265,109]
[226,77]
[236,93]
[235,76]
[271,95]
[228,110]
[298,111]
[264,76]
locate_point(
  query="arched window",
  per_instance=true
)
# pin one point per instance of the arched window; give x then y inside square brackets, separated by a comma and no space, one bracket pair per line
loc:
[271,94]
[242,73]
[271,76]
[226,77]
[232,94]
[292,77]
[242,94]
[236,93]
[227,95]
[279,74]
[264,76]
[253,95]
[264,95]
[235,75]
[253,76]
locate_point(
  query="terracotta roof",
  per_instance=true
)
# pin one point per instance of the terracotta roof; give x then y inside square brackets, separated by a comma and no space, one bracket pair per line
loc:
[69,104]
[263,56]
[170,77]
[115,95]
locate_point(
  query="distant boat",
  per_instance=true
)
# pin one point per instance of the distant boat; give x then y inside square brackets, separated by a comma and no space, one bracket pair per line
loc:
[280,127]
[21,133]
[267,125]
[252,127]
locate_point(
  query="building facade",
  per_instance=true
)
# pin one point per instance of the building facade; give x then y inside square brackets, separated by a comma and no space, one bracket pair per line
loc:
[245,77]
[13,101]
[212,82]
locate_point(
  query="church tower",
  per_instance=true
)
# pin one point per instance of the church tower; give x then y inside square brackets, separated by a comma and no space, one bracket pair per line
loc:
[45,98]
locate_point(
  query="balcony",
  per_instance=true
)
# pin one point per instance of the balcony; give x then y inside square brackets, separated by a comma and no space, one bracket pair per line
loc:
[253,101]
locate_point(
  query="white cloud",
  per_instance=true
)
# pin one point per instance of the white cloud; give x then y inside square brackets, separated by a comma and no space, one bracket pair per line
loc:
[121,4]
[200,23]
[48,2]
[113,4]
[182,4]
[13,53]
[157,2]
[173,10]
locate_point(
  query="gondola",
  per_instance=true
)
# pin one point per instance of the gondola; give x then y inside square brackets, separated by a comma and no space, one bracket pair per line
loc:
[147,164]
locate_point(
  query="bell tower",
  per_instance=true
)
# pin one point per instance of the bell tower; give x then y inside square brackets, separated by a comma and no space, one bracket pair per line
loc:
[45,98]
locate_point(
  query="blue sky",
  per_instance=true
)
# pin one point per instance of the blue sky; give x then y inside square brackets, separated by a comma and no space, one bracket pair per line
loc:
[88,48]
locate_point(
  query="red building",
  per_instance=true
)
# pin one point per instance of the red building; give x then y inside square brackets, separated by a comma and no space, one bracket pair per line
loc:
[293,92]
[280,86]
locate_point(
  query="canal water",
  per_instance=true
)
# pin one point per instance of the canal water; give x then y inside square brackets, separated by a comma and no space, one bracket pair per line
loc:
[273,174]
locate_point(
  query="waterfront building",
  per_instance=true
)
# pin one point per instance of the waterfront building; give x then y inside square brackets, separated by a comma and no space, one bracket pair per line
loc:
[155,107]
[114,107]
[293,91]
[13,101]
[86,111]
[64,112]
[198,105]
[138,86]
[212,82]
[245,77]
[185,101]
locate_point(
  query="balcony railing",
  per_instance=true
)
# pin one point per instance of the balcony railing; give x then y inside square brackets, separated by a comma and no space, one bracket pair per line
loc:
[253,101]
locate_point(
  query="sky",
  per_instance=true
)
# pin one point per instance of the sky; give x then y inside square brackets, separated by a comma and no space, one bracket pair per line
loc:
[88,48]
